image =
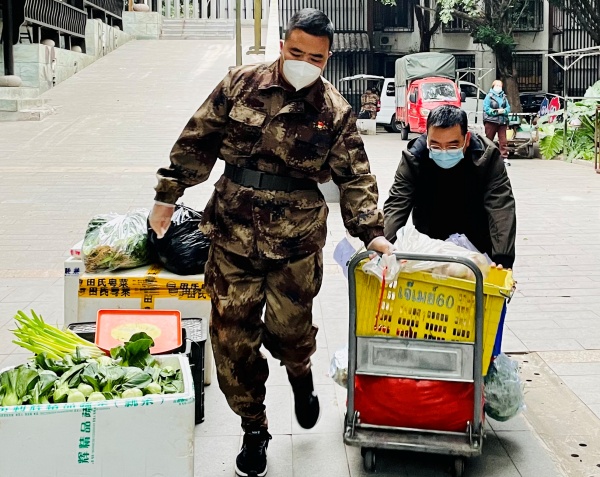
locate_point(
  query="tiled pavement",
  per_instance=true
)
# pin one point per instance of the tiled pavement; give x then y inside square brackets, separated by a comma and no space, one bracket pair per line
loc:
[114,127]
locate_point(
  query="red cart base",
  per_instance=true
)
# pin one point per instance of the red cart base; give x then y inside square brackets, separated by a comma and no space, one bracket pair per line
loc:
[414,403]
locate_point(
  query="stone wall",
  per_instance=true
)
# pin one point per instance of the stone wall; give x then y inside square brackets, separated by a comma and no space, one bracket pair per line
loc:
[41,66]
[142,25]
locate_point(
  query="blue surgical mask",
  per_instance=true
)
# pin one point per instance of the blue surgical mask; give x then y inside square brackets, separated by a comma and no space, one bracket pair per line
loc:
[497,89]
[446,159]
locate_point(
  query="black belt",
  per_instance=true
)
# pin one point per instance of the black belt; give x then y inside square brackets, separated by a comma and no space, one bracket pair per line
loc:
[263,181]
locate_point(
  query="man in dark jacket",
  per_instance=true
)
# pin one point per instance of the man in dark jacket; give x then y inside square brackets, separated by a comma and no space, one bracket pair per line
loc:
[454,181]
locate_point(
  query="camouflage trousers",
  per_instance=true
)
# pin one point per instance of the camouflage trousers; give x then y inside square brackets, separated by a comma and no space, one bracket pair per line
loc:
[240,288]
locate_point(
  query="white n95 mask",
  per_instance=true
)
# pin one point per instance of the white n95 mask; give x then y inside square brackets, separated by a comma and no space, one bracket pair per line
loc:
[300,74]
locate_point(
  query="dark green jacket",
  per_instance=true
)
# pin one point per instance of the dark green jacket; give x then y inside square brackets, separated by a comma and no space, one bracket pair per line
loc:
[473,198]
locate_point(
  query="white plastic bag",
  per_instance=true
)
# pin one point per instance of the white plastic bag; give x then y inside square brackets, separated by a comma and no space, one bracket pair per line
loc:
[338,371]
[383,266]
[410,240]
[503,389]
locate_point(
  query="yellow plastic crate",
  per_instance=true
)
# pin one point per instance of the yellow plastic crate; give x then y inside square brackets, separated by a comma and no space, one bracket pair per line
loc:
[420,306]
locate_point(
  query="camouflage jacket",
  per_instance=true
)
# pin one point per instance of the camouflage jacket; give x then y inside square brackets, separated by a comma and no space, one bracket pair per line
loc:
[254,120]
[369,101]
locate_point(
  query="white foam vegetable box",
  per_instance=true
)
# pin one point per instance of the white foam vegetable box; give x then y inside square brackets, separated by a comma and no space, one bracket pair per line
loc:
[148,287]
[149,436]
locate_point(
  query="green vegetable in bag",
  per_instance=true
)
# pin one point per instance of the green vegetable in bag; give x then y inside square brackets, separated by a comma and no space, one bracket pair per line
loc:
[116,241]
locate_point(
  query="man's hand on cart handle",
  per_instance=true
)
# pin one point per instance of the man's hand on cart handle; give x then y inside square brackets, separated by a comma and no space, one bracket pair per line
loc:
[381,245]
[160,218]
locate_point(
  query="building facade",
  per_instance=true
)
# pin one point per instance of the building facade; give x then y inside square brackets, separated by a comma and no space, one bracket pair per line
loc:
[370,37]
[395,34]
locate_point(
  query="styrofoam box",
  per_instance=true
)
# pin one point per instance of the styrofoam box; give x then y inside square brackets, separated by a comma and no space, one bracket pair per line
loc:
[151,436]
[81,306]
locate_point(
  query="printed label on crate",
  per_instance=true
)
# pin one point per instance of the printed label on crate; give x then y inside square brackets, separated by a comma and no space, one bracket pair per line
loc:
[38,409]
[147,288]
[87,433]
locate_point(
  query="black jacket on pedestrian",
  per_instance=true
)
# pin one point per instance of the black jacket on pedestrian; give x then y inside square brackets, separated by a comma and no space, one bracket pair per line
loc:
[473,198]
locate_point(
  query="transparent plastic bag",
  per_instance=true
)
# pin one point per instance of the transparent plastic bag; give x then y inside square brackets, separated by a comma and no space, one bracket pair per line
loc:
[462,241]
[338,371]
[503,389]
[383,266]
[114,241]
[410,240]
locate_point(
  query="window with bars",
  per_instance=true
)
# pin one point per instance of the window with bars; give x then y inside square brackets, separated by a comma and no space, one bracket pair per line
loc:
[394,18]
[457,25]
[466,61]
[532,16]
[529,72]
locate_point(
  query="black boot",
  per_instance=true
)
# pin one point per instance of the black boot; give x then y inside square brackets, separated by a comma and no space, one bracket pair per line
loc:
[252,459]
[306,402]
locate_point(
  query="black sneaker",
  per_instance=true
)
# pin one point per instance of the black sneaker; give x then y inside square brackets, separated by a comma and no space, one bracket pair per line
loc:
[252,459]
[306,402]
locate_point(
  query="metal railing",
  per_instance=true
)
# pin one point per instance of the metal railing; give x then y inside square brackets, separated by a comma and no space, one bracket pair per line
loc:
[346,15]
[111,7]
[209,9]
[597,141]
[57,16]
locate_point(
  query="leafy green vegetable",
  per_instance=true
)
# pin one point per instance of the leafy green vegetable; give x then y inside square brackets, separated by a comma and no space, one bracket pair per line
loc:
[35,335]
[60,393]
[135,378]
[85,389]
[116,241]
[75,396]
[96,397]
[43,388]
[49,378]
[132,393]
[153,388]
[135,352]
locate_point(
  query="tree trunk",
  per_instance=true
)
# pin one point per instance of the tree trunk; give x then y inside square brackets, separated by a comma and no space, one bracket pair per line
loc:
[425,42]
[508,76]
[426,28]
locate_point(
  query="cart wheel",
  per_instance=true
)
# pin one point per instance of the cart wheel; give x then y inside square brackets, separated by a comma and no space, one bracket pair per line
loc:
[459,467]
[368,459]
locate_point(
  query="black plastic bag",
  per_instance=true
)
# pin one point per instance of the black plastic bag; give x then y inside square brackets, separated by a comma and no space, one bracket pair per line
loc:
[184,249]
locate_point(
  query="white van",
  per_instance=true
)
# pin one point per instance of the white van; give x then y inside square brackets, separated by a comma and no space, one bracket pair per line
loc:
[386,116]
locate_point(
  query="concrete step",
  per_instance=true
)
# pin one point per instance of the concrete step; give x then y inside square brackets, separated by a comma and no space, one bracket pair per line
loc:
[224,35]
[197,22]
[19,93]
[13,105]
[197,29]
[25,115]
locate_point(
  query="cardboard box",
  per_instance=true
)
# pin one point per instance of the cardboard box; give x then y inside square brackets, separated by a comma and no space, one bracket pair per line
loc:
[148,287]
[140,437]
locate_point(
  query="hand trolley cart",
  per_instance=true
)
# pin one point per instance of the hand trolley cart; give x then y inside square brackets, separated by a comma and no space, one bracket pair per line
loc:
[418,350]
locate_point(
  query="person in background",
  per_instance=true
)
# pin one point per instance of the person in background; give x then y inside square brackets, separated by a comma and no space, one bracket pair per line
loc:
[368,103]
[495,117]
[281,129]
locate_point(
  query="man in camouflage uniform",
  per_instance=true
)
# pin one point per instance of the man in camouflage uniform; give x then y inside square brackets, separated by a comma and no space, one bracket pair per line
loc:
[281,129]
[368,103]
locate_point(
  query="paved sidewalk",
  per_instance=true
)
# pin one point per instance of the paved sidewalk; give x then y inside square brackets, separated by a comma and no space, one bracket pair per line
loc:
[115,125]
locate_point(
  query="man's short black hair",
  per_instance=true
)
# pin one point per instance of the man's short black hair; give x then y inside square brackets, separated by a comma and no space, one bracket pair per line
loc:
[448,116]
[311,21]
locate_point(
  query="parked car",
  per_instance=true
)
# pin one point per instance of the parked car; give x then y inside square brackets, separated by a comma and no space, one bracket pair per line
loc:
[386,115]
